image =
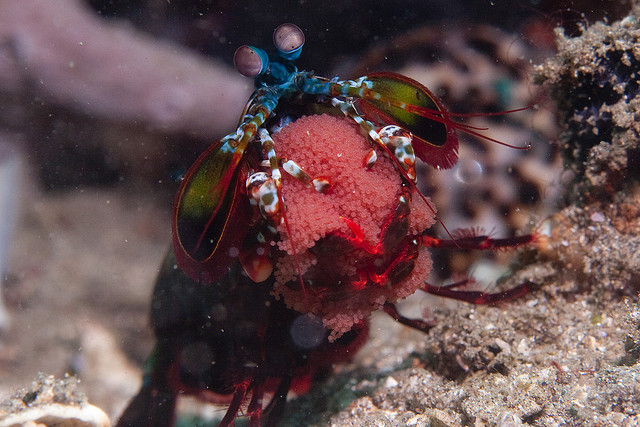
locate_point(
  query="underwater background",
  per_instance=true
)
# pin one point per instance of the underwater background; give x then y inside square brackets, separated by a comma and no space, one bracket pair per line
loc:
[104,105]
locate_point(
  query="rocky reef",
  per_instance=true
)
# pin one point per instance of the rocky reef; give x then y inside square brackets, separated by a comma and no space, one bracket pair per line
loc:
[595,82]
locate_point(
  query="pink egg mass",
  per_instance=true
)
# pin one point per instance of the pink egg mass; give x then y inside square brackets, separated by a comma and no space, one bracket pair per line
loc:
[354,245]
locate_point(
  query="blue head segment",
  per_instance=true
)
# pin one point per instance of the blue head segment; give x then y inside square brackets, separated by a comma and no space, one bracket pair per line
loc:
[251,61]
[289,40]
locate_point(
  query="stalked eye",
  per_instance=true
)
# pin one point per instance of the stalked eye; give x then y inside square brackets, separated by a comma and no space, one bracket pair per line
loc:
[289,40]
[250,61]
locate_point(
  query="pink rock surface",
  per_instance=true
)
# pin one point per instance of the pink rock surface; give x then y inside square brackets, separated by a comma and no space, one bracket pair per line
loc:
[67,55]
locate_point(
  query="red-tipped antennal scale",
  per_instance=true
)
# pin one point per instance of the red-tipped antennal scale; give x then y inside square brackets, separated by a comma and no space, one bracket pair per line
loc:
[394,98]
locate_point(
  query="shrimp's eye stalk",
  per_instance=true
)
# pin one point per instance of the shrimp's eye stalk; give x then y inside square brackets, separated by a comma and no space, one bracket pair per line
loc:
[289,40]
[250,61]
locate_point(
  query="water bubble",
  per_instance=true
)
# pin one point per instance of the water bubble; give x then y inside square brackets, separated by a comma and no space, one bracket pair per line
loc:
[196,358]
[468,171]
[307,331]
[219,313]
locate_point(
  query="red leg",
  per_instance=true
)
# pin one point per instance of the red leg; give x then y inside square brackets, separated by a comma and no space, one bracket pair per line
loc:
[468,241]
[273,412]
[418,324]
[449,291]
[255,405]
[477,242]
[232,411]
[477,297]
